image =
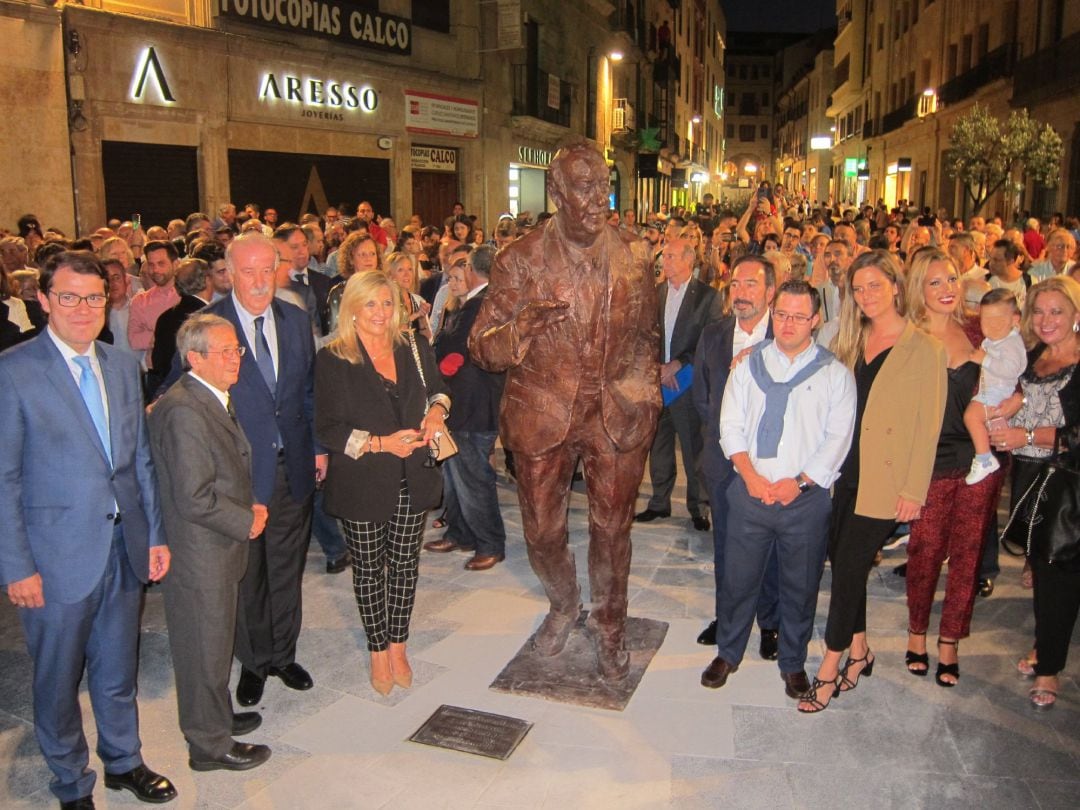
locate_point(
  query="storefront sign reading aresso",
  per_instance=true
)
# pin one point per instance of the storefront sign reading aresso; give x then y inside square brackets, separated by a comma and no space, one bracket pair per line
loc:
[338,20]
[324,99]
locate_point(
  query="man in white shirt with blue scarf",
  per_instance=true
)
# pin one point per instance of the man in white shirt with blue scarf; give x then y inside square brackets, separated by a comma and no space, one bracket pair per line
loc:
[786,424]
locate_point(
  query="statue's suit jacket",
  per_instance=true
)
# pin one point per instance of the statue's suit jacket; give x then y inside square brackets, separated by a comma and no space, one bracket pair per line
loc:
[57,510]
[544,372]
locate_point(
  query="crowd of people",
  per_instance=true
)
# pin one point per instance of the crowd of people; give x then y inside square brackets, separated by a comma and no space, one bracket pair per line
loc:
[210,393]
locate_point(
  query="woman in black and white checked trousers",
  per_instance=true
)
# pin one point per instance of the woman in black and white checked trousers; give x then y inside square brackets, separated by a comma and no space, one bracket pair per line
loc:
[379,403]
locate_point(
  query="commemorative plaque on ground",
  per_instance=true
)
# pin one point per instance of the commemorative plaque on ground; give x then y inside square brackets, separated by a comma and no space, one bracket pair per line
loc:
[472,731]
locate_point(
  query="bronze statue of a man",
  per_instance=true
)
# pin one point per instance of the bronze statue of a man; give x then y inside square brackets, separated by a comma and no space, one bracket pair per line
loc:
[570,315]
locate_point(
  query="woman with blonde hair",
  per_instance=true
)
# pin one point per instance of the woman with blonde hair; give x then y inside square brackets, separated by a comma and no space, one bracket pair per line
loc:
[1044,422]
[400,268]
[117,249]
[900,383]
[379,402]
[956,516]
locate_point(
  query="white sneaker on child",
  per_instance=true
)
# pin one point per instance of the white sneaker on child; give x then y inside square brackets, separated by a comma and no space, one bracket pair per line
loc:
[981,469]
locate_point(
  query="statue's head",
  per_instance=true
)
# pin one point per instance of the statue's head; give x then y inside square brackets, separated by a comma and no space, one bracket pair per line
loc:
[578,184]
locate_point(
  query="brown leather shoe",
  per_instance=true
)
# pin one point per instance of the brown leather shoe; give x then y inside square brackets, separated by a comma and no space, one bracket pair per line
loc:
[441,546]
[483,563]
[796,684]
[716,674]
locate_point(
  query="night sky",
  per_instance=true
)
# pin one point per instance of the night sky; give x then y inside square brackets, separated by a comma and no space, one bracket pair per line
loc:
[804,16]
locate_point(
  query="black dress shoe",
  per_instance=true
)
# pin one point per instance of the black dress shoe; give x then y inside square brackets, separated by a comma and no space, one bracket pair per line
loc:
[293,676]
[651,514]
[82,803]
[716,674]
[796,684]
[243,723]
[338,565]
[241,757]
[144,783]
[249,690]
[986,586]
[708,635]
[770,644]
[701,523]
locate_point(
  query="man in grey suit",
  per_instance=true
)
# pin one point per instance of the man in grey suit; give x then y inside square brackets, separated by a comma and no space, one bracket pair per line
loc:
[686,307]
[81,530]
[210,514]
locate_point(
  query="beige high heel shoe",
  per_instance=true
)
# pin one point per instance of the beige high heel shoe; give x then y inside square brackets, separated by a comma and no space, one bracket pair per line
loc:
[382,685]
[399,665]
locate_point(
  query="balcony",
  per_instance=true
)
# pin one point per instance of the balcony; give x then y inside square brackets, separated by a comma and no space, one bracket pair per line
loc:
[898,117]
[1047,73]
[997,64]
[622,116]
[531,96]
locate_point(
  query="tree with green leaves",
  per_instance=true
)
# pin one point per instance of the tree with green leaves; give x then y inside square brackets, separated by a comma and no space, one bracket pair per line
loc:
[986,155]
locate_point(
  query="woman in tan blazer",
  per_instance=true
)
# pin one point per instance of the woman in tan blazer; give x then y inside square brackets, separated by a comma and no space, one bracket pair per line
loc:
[901,383]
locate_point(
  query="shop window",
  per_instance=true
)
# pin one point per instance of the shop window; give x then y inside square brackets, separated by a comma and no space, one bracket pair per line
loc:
[431,14]
[304,183]
[126,166]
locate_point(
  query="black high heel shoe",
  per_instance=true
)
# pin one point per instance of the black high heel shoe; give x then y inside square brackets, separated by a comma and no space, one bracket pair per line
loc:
[811,697]
[846,684]
[947,669]
[912,658]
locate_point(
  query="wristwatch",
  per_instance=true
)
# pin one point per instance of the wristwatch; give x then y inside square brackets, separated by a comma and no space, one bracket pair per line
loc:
[1030,434]
[804,483]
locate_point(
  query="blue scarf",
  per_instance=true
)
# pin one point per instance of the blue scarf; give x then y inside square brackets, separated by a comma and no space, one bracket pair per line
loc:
[771,427]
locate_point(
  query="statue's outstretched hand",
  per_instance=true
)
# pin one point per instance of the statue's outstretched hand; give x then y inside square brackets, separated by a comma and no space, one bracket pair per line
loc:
[537,316]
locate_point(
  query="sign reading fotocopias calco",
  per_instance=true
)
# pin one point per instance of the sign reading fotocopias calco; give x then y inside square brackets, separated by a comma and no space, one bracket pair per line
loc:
[338,20]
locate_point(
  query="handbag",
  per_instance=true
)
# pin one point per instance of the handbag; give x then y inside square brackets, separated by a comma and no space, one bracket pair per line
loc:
[443,445]
[1049,514]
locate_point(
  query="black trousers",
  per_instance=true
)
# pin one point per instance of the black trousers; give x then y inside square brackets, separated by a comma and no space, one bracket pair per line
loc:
[854,540]
[271,611]
[681,419]
[1057,601]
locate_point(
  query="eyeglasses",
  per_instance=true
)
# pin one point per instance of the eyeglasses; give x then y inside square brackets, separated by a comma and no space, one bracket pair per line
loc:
[70,299]
[229,353]
[795,317]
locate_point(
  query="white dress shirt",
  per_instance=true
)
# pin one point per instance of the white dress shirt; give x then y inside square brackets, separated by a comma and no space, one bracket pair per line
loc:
[818,421]
[247,323]
[740,339]
[222,396]
[675,296]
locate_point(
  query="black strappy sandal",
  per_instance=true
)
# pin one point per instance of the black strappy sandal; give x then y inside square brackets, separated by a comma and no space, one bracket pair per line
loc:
[947,669]
[811,697]
[914,658]
[867,670]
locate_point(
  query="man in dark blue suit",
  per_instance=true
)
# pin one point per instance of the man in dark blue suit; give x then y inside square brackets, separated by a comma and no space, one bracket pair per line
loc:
[686,306]
[274,401]
[473,515]
[81,530]
[753,284]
